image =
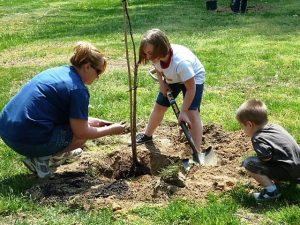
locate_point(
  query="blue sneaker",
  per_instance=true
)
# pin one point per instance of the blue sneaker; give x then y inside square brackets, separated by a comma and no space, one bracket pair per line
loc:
[265,195]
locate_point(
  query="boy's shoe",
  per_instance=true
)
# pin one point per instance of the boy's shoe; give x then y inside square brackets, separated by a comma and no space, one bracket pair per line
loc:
[265,195]
[58,160]
[40,166]
[143,138]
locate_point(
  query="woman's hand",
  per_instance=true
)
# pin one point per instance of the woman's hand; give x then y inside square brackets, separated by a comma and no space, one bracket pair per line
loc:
[95,122]
[94,128]
[116,128]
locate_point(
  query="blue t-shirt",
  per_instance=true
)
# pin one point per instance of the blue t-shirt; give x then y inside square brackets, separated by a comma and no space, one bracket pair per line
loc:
[50,99]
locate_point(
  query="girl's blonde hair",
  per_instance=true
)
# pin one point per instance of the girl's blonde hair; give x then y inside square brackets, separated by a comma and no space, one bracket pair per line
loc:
[160,42]
[85,52]
[253,110]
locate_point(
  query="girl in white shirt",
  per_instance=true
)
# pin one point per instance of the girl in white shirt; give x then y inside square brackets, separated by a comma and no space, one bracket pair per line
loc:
[179,70]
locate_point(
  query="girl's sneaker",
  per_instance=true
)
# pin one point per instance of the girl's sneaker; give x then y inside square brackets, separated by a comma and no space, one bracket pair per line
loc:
[143,138]
[58,160]
[40,166]
[265,195]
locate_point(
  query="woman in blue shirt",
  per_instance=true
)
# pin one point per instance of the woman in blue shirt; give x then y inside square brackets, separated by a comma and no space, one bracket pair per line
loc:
[49,115]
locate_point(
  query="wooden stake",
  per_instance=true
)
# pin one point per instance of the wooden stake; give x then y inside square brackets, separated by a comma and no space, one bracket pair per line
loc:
[132,87]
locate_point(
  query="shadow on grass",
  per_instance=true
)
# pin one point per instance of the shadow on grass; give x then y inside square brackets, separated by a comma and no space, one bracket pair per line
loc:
[104,20]
[290,196]
[16,184]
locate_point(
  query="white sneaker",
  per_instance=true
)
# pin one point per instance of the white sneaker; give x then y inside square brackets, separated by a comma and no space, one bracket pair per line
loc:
[40,166]
[27,162]
[58,160]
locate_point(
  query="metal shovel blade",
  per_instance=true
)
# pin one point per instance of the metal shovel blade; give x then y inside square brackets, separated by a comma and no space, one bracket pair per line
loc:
[206,158]
[153,74]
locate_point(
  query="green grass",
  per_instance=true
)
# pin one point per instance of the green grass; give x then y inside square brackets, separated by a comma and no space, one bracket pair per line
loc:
[61,215]
[245,56]
[187,212]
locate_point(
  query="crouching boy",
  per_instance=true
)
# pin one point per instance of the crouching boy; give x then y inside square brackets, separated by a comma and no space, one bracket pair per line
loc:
[277,153]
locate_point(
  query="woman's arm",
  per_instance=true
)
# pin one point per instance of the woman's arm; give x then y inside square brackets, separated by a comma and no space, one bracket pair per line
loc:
[83,130]
[95,122]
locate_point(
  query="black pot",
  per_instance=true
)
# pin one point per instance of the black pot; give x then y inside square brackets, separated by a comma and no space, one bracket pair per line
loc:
[211,5]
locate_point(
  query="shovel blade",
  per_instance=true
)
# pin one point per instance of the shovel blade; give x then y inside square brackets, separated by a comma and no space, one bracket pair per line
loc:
[153,74]
[209,157]
[206,158]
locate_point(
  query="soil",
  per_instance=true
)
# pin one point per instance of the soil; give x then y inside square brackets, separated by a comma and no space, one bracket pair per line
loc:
[99,179]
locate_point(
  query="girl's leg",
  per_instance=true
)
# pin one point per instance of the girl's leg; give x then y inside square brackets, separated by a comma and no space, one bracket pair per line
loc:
[197,128]
[155,119]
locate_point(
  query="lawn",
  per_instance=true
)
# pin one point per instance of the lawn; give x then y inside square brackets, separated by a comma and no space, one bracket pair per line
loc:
[255,55]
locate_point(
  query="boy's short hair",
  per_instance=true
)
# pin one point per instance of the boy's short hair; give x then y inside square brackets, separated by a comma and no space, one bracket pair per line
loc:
[253,110]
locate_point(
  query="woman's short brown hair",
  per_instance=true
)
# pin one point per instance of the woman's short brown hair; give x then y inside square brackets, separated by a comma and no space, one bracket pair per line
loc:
[160,42]
[85,52]
[253,110]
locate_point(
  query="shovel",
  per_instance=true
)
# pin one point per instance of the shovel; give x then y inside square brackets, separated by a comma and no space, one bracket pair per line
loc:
[207,157]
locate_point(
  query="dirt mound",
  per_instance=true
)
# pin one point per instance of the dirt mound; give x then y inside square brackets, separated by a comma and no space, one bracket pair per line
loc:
[99,179]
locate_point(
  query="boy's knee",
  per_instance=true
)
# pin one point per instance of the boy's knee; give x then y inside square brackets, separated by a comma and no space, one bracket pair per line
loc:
[252,164]
[252,160]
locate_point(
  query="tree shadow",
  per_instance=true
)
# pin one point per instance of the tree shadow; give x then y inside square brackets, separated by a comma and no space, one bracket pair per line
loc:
[16,184]
[94,20]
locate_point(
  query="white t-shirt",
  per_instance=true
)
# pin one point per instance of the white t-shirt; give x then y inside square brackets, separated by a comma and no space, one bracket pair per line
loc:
[184,65]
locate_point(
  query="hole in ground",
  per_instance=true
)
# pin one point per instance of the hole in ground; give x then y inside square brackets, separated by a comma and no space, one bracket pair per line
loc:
[119,165]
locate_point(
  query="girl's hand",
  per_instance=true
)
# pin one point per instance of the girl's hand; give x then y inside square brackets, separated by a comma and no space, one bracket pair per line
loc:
[183,117]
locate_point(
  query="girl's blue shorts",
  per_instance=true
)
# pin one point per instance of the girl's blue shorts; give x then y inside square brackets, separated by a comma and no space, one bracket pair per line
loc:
[176,89]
